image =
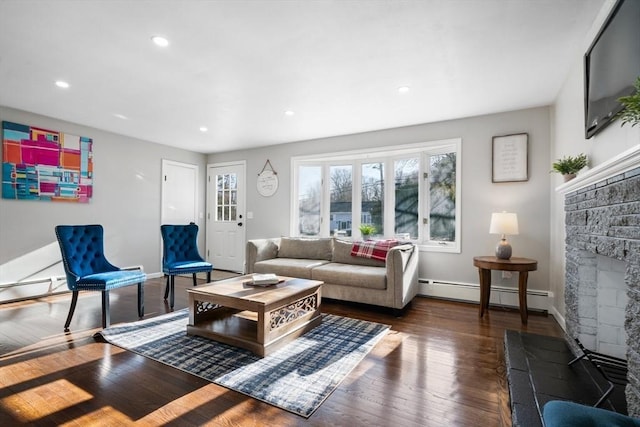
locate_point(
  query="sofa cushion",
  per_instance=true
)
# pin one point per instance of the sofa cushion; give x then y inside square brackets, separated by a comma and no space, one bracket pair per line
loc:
[360,276]
[300,268]
[342,254]
[305,248]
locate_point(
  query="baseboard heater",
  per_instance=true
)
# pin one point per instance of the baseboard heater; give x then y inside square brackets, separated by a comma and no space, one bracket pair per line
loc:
[41,287]
[470,292]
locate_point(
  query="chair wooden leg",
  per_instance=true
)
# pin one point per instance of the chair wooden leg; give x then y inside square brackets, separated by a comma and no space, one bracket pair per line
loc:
[166,289]
[194,280]
[209,276]
[106,316]
[74,301]
[140,300]
[172,291]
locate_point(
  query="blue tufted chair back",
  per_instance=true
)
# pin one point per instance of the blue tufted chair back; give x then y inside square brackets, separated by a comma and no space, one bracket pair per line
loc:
[82,248]
[180,243]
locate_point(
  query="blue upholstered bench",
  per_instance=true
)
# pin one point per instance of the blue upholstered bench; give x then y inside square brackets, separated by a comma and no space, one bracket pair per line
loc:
[559,413]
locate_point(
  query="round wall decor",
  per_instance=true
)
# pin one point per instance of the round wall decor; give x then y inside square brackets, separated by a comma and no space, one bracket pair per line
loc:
[267,183]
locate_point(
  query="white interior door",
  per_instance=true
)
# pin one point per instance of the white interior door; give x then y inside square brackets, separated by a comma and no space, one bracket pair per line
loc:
[179,194]
[226,220]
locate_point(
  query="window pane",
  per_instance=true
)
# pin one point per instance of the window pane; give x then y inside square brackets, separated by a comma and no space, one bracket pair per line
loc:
[226,197]
[442,197]
[340,210]
[309,194]
[406,172]
[372,207]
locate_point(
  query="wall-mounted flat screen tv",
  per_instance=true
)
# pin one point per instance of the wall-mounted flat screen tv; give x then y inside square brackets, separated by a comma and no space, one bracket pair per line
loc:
[612,65]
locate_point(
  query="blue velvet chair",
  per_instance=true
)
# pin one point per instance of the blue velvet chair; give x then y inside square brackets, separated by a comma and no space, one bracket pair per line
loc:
[87,269]
[180,256]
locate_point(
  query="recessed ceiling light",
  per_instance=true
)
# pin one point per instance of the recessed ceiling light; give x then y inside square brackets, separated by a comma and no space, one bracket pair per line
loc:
[62,84]
[289,113]
[203,129]
[160,41]
[403,89]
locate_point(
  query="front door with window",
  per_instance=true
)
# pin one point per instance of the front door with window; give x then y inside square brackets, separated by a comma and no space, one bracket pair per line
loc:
[226,216]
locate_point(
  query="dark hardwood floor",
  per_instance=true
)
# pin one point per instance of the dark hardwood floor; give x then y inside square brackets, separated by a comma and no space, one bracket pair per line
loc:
[439,365]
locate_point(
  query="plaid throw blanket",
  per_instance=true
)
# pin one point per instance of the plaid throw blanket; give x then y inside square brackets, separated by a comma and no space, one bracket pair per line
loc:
[374,249]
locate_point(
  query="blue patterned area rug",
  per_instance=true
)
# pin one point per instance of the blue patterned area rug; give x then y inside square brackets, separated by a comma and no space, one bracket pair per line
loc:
[298,377]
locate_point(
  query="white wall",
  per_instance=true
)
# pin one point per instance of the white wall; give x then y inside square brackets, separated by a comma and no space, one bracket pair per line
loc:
[480,197]
[126,201]
[568,139]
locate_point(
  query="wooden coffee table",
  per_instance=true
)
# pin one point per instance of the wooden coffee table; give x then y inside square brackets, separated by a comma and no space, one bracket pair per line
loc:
[259,319]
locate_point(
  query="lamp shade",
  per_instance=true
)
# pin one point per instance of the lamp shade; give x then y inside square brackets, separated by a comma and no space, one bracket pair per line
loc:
[504,223]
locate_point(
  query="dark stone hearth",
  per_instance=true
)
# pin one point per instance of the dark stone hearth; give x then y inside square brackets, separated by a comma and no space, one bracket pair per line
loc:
[604,219]
[538,371]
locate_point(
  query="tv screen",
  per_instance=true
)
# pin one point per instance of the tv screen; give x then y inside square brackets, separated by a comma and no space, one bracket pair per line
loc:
[612,65]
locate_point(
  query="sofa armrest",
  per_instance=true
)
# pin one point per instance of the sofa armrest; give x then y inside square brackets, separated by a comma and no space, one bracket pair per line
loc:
[402,274]
[259,250]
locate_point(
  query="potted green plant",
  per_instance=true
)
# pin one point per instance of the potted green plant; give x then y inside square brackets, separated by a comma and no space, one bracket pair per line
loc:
[631,111]
[569,166]
[366,230]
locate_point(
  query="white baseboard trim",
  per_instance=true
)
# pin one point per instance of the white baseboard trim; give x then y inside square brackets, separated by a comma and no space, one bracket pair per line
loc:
[559,317]
[470,292]
[161,274]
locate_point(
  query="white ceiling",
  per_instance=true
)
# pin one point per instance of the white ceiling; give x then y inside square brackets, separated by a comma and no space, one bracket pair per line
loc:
[237,66]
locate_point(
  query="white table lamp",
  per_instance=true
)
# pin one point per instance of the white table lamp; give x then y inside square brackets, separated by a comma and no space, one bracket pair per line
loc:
[503,223]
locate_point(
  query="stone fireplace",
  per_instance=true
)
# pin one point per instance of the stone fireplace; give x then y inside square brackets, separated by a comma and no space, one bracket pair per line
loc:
[602,219]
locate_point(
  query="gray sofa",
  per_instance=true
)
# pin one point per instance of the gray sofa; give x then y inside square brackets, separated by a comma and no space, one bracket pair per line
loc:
[392,283]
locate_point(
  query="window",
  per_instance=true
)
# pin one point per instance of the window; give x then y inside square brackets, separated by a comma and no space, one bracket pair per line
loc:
[227,197]
[341,196]
[372,199]
[309,193]
[409,192]
[442,197]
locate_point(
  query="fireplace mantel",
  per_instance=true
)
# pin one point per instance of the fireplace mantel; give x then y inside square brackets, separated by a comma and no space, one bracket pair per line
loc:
[623,162]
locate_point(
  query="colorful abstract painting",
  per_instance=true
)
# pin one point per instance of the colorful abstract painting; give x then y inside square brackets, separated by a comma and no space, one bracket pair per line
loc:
[41,164]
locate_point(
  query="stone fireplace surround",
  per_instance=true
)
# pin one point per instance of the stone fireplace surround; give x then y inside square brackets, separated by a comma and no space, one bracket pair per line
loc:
[602,217]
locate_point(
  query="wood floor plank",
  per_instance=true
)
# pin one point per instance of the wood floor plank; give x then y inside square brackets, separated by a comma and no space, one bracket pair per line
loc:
[440,364]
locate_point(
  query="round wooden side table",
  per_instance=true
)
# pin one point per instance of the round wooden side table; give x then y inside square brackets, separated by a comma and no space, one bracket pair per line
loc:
[522,265]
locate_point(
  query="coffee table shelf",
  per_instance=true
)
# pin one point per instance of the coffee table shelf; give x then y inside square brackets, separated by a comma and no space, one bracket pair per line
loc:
[258,319]
[226,321]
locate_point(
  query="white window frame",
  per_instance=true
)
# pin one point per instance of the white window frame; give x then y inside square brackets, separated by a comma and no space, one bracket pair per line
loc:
[294,225]
[326,208]
[388,154]
[425,242]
